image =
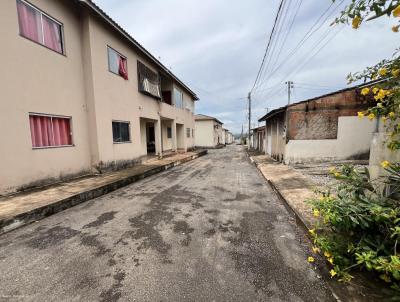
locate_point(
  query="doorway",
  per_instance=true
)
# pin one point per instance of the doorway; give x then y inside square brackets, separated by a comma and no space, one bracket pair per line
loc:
[150,138]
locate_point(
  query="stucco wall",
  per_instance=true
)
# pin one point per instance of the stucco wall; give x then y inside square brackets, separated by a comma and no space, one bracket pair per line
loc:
[204,133]
[36,79]
[353,142]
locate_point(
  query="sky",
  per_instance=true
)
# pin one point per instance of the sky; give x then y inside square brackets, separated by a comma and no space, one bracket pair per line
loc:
[216,48]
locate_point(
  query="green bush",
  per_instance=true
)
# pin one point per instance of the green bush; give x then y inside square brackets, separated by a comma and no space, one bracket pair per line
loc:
[359,225]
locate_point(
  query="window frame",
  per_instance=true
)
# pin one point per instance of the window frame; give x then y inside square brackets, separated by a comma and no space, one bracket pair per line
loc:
[169,132]
[122,56]
[181,93]
[63,53]
[129,132]
[144,67]
[188,132]
[51,116]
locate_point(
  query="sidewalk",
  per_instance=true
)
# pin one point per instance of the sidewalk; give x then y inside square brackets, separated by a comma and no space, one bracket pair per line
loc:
[26,207]
[292,186]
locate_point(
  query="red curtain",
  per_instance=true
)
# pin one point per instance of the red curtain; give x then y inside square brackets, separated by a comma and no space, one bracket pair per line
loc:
[52,34]
[47,131]
[29,22]
[62,132]
[123,70]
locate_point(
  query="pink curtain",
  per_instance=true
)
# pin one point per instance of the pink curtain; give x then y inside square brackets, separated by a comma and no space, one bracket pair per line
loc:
[46,131]
[29,22]
[52,34]
[40,131]
[62,132]
[123,70]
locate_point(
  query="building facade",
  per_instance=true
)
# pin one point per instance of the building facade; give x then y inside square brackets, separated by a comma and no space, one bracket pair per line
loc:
[325,128]
[81,95]
[258,139]
[209,132]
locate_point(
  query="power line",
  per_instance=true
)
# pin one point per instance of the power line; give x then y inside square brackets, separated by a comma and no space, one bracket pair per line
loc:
[268,45]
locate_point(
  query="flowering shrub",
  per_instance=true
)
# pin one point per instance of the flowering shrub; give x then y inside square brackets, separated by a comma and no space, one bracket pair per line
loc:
[359,226]
[386,91]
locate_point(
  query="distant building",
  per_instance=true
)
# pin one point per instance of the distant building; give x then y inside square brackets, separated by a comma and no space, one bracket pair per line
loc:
[323,128]
[209,132]
[258,139]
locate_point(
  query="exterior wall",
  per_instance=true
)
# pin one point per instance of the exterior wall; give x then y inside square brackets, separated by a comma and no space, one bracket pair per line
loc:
[119,99]
[43,81]
[218,134]
[353,142]
[276,137]
[204,130]
[318,119]
[78,85]
[380,152]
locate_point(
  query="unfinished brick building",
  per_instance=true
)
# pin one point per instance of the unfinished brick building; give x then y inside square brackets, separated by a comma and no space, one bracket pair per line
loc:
[324,128]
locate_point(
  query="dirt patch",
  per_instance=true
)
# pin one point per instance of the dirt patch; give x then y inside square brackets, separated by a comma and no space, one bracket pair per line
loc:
[114,293]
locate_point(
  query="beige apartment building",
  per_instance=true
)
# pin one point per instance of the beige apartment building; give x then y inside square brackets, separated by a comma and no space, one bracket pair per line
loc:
[209,131]
[80,94]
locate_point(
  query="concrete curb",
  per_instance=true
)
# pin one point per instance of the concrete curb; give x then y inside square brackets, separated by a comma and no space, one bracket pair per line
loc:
[7,225]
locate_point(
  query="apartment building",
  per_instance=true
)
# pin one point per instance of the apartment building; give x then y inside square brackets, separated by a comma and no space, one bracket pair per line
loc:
[209,131]
[80,94]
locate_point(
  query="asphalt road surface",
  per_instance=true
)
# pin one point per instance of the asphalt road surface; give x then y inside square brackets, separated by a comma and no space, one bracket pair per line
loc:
[209,230]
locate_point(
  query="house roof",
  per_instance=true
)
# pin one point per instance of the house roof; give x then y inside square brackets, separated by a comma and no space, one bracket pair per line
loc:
[284,108]
[98,11]
[203,117]
[258,128]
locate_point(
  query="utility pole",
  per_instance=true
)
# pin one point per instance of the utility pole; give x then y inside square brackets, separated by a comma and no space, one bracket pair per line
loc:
[248,136]
[289,87]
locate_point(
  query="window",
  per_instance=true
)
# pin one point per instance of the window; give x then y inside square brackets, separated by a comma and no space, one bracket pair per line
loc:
[189,105]
[50,131]
[178,98]
[117,63]
[121,133]
[188,132]
[193,133]
[35,25]
[149,81]
[169,132]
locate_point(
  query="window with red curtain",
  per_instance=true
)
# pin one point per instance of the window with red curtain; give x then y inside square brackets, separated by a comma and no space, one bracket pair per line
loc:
[50,131]
[39,27]
[117,63]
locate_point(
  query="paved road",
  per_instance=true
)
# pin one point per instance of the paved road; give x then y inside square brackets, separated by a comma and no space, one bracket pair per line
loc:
[209,230]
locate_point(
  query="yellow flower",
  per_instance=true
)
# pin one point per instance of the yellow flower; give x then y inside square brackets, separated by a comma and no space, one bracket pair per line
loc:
[312,231]
[315,250]
[356,22]
[371,116]
[316,213]
[396,72]
[337,174]
[330,260]
[333,169]
[395,28]
[375,90]
[365,91]
[361,114]
[392,114]
[385,164]
[396,11]
[382,72]
[333,273]
[310,259]
[327,254]
[384,119]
